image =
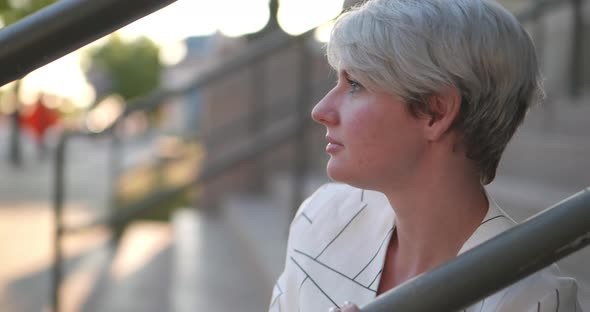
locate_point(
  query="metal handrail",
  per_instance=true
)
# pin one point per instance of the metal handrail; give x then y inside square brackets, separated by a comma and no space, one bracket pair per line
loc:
[505,259]
[210,172]
[63,27]
[264,47]
[154,101]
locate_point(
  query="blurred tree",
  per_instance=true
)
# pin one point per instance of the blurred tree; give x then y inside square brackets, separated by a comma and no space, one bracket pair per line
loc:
[133,67]
[10,12]
[13,10]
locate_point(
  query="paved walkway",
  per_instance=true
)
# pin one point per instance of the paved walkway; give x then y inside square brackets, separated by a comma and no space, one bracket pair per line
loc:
[141,276]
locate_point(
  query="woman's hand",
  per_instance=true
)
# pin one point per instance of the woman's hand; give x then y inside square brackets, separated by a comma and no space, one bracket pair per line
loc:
[346,307]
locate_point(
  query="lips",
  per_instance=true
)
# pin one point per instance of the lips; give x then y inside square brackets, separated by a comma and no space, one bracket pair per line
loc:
[332,140]
[333,145]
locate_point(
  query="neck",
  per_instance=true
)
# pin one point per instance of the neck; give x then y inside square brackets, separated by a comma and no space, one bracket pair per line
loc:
[437,210]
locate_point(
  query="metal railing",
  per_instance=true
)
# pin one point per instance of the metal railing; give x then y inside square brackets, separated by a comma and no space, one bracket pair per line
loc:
[261,143]
[290,132]
[77,22]
[62,28]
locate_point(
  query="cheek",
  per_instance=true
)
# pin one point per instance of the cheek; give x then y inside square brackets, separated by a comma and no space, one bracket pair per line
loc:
[370,128]
[369,139]
[383,136]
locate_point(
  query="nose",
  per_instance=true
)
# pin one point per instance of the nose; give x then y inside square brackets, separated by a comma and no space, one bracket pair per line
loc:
[324,111]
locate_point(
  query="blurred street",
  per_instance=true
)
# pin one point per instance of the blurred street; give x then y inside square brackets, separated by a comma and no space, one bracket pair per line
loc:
[138,277]
[26,219]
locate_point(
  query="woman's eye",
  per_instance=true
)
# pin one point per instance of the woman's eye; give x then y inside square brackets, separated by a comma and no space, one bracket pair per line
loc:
[354,86]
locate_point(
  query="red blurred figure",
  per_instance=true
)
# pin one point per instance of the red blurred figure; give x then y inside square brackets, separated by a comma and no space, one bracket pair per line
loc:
[38,120]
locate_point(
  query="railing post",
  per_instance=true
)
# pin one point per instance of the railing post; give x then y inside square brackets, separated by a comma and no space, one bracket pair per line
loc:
[257,117]
[539,31]
[302,104]
[58,200]
[114,164]
[15,133]
[576,65]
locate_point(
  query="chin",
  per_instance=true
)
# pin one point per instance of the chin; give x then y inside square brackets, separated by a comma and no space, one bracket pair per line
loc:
[340,174]
[337,172]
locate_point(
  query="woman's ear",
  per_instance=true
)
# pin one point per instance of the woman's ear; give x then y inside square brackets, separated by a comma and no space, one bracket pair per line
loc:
[444,110]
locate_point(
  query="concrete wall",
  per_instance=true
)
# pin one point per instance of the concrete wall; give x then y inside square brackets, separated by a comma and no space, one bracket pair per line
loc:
[553,37]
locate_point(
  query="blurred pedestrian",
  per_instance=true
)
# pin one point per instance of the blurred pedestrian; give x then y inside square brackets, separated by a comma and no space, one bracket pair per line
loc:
[39,119]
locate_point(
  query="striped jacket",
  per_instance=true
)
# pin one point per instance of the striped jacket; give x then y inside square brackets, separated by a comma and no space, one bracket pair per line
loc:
[336,250]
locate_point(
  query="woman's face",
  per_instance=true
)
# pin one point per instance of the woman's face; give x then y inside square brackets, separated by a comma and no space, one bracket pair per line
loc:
[373,141]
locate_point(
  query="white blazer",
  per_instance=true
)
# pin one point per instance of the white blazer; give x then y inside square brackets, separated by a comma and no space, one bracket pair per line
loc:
[336,250]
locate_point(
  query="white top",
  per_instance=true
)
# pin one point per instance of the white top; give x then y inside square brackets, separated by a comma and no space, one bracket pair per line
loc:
[336,251]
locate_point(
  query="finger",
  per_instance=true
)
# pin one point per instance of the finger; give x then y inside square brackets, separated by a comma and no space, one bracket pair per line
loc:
[349,307]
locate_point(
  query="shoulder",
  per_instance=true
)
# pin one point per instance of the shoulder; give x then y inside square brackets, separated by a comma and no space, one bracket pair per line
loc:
[334,208]
[327,196]
[494,222]
[334,220]
[333,203]
[546,290]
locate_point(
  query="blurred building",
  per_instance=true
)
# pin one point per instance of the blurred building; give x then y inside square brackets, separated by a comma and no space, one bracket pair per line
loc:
[235,106]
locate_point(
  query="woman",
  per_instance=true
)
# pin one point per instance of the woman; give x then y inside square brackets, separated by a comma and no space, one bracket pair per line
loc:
[429,93]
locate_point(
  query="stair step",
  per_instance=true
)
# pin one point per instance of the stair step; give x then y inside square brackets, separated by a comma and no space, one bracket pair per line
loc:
[211,272]
[137,277]
[281,186]
[261,222]
[262,228]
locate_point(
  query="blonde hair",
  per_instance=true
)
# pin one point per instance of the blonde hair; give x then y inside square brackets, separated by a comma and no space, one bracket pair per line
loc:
[415,48]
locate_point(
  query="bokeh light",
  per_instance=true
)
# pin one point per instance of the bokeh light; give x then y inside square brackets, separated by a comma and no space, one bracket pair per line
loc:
[63,77]
[298,16]
[104,114]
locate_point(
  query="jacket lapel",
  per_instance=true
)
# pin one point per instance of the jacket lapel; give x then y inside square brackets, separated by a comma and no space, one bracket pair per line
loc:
[495,222]
[346,262]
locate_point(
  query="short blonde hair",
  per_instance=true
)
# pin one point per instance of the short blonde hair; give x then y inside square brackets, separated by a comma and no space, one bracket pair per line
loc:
[415,48]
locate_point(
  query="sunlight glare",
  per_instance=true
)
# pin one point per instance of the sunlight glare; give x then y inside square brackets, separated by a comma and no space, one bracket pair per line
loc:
[7,87]
[324,31]
[105,113]
[62,77]
[7,103]
[179,20]
[298,16]
[238,17]
[173,53]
